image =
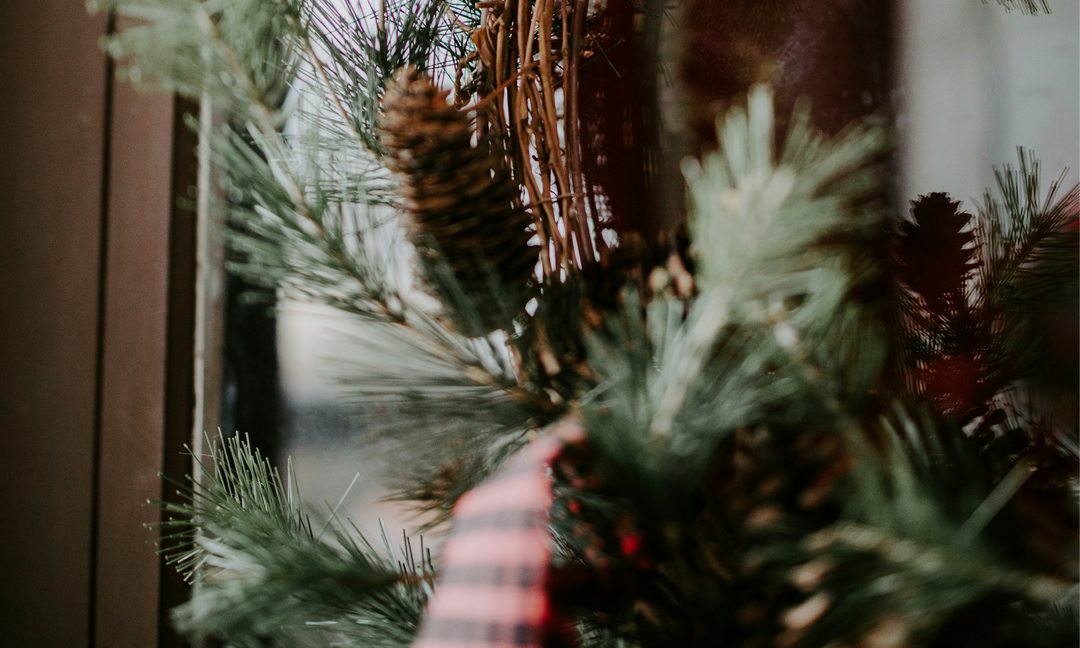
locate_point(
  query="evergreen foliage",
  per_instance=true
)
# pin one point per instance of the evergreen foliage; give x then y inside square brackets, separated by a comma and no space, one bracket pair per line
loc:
[262,571]
[1032,7]
[774,336]
[973,325]
[784,445]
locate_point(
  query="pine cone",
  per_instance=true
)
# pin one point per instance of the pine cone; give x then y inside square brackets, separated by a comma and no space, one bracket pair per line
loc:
[935,256]
[770,488]
[460,200]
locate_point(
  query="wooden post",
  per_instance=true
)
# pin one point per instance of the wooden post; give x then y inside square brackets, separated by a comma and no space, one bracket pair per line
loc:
[96,290]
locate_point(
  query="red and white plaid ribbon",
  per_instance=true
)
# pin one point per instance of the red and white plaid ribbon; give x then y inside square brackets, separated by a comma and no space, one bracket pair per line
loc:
[492,585]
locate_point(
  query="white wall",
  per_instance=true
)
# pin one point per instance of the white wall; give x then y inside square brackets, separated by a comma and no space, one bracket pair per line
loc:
[975,82]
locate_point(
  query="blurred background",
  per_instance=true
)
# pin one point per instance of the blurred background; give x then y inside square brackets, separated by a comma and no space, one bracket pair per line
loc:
[975,84]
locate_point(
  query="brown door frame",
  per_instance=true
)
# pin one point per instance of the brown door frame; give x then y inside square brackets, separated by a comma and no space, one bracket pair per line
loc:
[97,290]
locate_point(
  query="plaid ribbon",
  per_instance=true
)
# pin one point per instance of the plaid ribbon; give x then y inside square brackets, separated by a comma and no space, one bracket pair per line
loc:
[492,585]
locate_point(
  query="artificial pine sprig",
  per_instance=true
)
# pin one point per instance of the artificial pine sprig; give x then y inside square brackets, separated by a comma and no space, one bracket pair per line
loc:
[366,43]
[264,573]
[243,54]
[778,238]
[1030,7]
[1025,236]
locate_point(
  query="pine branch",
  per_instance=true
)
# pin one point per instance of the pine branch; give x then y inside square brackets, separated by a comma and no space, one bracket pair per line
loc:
[302,210]
[312,245]
[244,57]
[438,415]
[1023,235]
[435,472]
[1029,7]
[241,53]
[910,554]
[781,245]
[263,573]
[304,206]
[1028,253]
[913,592]
[365,46]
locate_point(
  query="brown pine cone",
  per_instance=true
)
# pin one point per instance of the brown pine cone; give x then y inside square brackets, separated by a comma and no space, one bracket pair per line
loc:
[770,487]
[460,202]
